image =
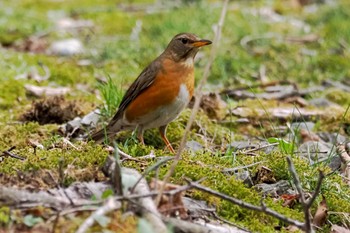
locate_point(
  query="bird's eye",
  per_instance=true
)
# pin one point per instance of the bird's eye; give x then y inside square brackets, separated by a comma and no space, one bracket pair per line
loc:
[184,40]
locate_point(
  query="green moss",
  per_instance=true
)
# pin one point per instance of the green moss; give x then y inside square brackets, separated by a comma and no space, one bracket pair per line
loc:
[87,157]
[190,167]
[114,54]
[339,97]
[4,216]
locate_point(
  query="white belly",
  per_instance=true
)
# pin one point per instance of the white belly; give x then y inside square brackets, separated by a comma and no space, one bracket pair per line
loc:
[165,114]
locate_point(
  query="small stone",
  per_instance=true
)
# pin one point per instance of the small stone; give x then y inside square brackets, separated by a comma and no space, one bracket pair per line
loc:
[335,163]
[321,102]
[73,124]
[239,145]
[308,125]
[316,151]
[244,176]
[196,207]
[194,146]
[91,119]
[332,138]
[68,47]
[274,190]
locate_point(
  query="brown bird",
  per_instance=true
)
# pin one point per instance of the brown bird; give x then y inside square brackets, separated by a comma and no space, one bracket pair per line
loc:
[160,93]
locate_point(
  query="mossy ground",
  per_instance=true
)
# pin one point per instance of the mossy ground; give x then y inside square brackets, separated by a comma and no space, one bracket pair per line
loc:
[113,54]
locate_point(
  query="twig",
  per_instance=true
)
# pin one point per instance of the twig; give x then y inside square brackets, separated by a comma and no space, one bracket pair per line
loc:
[10,154]
[317,190]
[297,183]
[148,170]
[54,226]
[71,211]
[258,148]
[345,159]
[125,155]
[241,167]
[117,174]
[305,204]
[197,101]
[246,205]
[109,206]
[65,140]
[228,222]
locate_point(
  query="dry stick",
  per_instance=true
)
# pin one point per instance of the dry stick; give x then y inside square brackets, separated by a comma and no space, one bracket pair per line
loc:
[306,204]
[246,205]
[258,148]
[241,167]
[317,190]
[307,214]
[109,206]
[197,101]
[10,154]
[345,159]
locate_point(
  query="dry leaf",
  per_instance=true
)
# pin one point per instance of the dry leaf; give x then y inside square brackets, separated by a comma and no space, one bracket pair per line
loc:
[33,44]
[170,205]
[289,200]
[321,214]
[212,105]
[292,228]
[307,136]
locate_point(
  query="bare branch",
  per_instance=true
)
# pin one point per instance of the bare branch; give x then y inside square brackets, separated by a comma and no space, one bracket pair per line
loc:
[109,206]
[317,190]
[10,154]
[305,204]
[249,206]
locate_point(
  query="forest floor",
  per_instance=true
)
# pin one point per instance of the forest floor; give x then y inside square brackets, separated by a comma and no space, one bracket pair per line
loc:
[279,87]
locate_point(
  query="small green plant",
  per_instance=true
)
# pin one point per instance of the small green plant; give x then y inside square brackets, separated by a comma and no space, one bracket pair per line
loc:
[283,145]
[30,220]
[4,215]
[112,94]
[107,193]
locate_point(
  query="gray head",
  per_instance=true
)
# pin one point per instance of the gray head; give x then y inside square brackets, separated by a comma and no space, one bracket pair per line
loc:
[185,45]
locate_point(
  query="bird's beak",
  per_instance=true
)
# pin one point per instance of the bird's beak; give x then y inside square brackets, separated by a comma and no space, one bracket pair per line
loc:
[200,43]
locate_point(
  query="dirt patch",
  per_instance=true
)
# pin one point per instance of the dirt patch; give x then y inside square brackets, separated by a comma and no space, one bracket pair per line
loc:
[52,110]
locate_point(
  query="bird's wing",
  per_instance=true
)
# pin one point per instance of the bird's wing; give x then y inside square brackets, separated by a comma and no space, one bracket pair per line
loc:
[143,81]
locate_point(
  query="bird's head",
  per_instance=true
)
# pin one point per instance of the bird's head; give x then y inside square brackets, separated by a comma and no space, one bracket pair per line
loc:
[184,46]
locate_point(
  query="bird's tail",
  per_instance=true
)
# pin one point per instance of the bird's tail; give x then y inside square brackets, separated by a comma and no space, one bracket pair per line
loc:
[98,136]
[102,136]
[105,135]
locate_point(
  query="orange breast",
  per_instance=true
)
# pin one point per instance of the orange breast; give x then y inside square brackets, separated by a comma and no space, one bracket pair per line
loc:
[163,90]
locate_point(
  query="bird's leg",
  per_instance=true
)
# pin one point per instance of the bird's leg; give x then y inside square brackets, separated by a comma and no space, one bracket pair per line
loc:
[162,131]
[140,135]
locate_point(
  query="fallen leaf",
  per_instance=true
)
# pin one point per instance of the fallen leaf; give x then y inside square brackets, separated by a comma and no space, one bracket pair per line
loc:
[292,228]
[33,44]
[307,136]
[321,214]
[170,205]
[289,200]
[212,105]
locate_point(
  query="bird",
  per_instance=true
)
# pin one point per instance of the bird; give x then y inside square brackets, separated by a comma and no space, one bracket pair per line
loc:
[160,93]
